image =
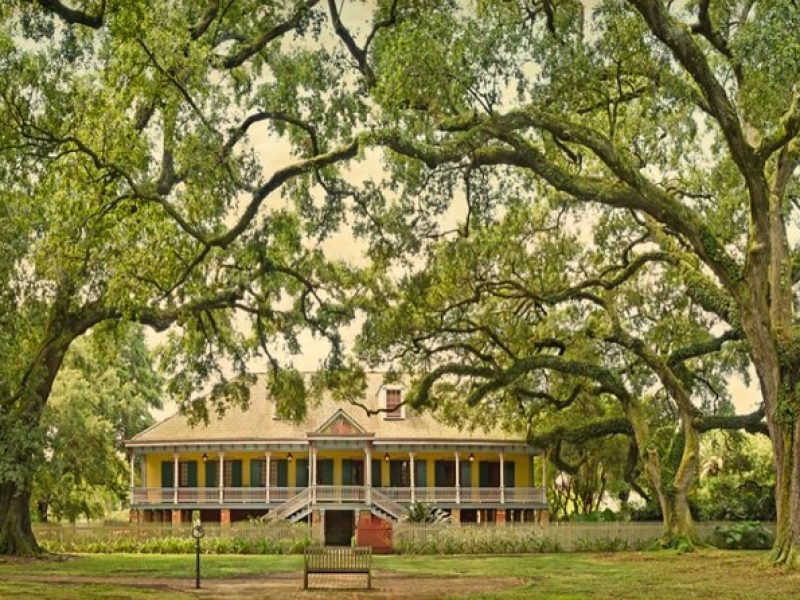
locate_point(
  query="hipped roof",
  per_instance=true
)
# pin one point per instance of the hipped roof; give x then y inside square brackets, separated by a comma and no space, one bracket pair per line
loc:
[258,423]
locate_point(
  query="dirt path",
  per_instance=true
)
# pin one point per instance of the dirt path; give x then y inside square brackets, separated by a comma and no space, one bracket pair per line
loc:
[289,585]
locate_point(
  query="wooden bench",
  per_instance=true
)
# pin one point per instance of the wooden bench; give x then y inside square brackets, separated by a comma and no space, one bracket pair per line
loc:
[322,559]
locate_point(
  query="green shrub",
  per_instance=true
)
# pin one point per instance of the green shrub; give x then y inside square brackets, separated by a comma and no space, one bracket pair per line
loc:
[181,545]
[603,545]
[747,535]
[601,516]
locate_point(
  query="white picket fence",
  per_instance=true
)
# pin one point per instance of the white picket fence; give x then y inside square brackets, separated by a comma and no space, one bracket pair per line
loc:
[566,536]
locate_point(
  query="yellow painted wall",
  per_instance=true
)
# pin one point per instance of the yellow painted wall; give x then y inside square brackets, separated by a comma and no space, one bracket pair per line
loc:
[154,461]
[524,475]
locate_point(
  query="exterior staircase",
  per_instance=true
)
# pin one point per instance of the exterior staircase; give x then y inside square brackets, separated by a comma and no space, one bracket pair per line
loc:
[386,508]
[299,506]
[294,509]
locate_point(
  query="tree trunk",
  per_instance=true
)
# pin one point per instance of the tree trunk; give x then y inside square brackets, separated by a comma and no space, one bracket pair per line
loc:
[672,493]
[16,534]
[778,368]
[678,521]
[23,442]
[784,428]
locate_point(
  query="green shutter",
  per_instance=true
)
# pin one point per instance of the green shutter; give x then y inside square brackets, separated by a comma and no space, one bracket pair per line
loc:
[439,474]
[396,473]
[483,474]
[347,472]
[255,472]
[465,475]
[283,472]
[192,473]
[510,469]
[167,474]
[236,473]
[421,475]
[301,473]
[325,471]
[212,469]
[377,479]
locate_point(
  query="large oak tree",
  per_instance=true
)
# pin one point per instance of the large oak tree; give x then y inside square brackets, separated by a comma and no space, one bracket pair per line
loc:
[687,112]
[565,339]
[172,164]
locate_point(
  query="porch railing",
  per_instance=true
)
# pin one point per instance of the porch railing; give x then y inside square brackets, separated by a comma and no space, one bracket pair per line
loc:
[213,495]
[340,493]
[352,494]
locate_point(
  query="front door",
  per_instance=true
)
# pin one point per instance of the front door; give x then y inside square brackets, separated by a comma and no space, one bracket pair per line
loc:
[352,472]
[339,527]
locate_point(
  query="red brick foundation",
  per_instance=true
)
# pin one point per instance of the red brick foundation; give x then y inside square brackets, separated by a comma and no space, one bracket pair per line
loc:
[500,516]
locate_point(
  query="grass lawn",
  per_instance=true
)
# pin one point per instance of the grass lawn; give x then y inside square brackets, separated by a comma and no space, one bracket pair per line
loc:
[652,575]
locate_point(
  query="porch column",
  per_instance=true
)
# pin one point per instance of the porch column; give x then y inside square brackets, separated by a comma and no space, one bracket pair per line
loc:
[267,468]
[502,480]
[143,469]
[368,473]
[413,477]
[221,477]
[458,480]
[544,474]
[133,479]
[175,479]
[312,476]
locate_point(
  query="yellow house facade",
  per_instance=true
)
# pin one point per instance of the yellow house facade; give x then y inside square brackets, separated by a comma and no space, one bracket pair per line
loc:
[343,465]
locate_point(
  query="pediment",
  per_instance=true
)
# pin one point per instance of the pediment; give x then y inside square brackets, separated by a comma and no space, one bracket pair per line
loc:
[340,423]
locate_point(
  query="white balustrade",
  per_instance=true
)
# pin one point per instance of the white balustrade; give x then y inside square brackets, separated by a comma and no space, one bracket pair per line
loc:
[342,494]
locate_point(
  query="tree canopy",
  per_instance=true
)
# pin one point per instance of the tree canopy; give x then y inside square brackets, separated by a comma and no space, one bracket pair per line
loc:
[135,186]
[101,397]
[565,340]
[686,114]
[164,164]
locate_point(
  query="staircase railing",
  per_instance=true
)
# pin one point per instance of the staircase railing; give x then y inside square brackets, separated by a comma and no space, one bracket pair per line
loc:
[291,506]
[387,505]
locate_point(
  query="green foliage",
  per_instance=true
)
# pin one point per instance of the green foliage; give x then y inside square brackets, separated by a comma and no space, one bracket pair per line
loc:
[737,479]
[681,543]
[174,168]
[600,516]
[101,397]
[611,545]
[182,545]
[420,512]
[747,535]
[474,540]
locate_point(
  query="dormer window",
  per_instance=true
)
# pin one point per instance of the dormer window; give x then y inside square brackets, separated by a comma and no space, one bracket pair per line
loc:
[393,400]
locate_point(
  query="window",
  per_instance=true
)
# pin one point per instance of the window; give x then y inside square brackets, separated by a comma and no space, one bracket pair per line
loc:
[183,477]
[394,408]
[258,473]
[187,474]
[399,473]
[232,473]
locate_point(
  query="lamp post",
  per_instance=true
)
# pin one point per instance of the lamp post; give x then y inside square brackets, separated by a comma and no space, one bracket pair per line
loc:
[197,533]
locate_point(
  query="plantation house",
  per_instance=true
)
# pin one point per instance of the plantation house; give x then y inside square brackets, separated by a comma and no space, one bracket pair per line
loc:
[342,470]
